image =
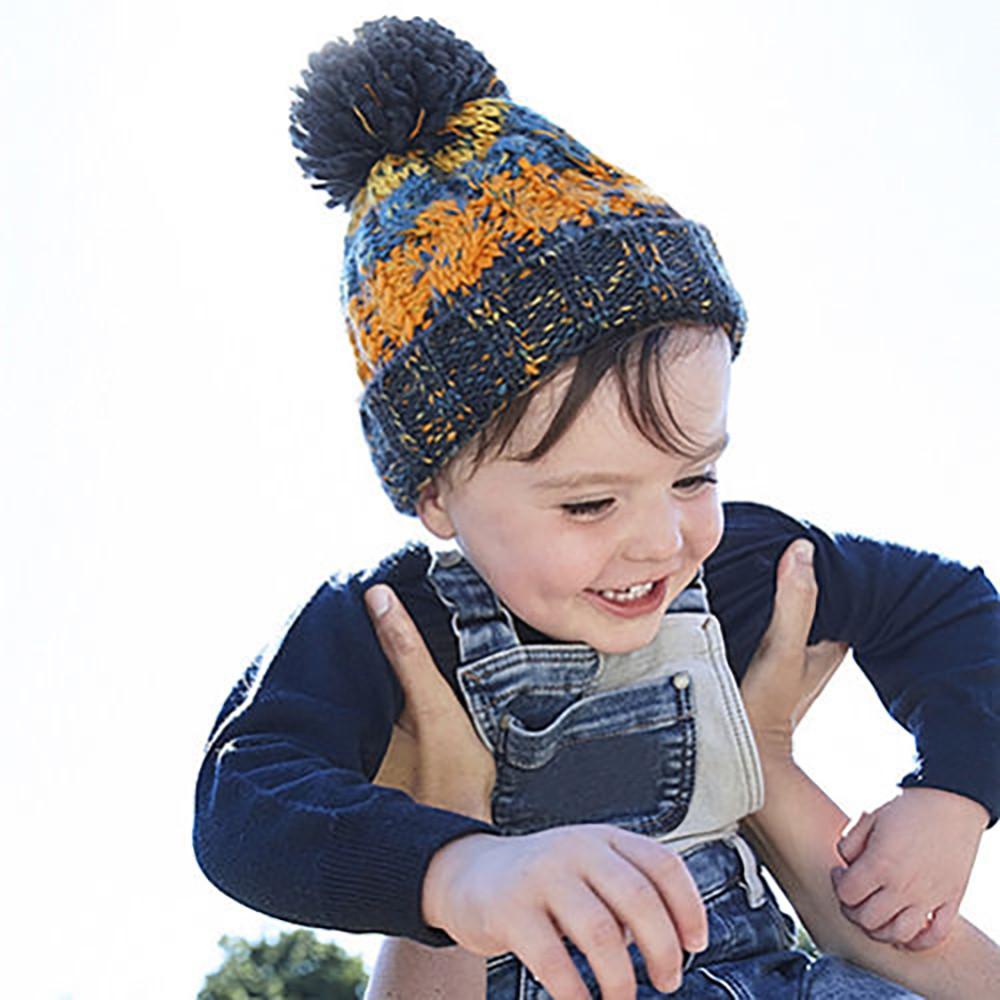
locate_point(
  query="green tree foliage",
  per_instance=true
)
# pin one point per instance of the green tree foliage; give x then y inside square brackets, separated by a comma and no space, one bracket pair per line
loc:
[295,967]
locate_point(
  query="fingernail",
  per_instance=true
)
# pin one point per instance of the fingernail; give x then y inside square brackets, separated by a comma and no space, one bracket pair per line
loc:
[379,600]
[804,553]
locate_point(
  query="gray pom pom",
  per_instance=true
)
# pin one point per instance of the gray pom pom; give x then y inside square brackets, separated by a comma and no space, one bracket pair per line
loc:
[389,90]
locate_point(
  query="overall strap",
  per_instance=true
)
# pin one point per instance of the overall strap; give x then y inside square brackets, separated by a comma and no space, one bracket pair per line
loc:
[694,597]
[482,625]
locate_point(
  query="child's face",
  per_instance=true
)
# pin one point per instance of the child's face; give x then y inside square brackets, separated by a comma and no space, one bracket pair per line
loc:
[592,541]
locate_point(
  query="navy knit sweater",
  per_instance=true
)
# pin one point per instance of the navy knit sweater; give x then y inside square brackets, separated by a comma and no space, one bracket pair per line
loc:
[288,823]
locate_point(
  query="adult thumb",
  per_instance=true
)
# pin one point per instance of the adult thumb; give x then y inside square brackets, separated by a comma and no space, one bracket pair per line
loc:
[794,599]
[426,692]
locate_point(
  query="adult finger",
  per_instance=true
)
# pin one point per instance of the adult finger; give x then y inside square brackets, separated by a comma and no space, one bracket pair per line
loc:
[794,601]
[940,926]
[777,666]
[876,912]
[775,681]
[638,906]
[667,871]
[853,842]
[903,927]
[585,918]
[856,883]
[443,762]
[426,692]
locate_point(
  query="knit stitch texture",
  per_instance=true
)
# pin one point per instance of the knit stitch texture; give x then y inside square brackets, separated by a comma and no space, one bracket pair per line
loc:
[486,247]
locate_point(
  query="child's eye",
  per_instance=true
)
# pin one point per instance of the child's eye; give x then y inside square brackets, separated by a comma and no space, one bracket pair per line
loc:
[692,484]
[587,508]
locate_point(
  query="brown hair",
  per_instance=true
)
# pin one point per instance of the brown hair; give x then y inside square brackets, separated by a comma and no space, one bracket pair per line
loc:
[637,361]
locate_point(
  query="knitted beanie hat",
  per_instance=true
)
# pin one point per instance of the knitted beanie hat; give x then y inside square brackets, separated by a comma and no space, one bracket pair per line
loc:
[485,247]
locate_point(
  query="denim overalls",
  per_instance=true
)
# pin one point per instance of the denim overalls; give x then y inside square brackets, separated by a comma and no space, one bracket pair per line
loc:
[656,742]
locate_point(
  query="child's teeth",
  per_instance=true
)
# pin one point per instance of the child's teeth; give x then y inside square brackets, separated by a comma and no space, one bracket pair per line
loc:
[632,593]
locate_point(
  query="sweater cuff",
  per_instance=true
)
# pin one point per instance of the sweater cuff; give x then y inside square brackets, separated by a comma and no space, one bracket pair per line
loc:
[976,782]
[385,874]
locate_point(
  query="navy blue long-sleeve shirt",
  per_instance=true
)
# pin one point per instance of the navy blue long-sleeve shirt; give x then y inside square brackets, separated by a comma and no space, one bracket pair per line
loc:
[288,822]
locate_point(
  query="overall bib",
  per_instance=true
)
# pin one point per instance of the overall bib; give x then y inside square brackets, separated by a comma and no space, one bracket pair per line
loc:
[655,741]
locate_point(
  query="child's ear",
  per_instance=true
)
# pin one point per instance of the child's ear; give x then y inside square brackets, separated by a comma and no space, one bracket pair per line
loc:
[433,512]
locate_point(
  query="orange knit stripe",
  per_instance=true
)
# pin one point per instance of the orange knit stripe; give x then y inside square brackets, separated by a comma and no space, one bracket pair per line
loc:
[461,243]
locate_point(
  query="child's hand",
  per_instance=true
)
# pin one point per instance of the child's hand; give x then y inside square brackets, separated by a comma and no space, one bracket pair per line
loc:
[908,866]
[592,884]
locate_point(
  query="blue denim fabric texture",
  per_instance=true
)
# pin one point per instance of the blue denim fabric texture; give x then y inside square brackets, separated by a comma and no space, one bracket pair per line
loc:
[563,738]
[563,732]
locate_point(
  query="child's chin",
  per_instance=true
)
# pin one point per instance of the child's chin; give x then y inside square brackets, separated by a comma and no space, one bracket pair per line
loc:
[636,639]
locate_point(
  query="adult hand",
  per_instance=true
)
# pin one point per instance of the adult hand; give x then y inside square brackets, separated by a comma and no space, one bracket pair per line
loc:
[785,675]
[909,861]
[799,830]
[434,754]
[435,757]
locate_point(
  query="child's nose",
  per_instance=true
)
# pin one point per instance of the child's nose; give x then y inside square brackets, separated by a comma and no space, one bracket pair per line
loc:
[656,534]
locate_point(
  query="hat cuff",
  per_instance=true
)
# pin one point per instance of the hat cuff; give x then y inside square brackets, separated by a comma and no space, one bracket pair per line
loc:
[616,276]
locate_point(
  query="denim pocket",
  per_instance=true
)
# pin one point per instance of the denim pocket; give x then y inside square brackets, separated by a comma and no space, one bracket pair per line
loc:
[624,756]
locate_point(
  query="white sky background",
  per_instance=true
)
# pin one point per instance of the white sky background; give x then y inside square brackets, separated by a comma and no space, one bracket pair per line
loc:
[181,449]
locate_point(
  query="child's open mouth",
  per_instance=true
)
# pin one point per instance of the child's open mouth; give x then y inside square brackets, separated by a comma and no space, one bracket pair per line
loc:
[631,602]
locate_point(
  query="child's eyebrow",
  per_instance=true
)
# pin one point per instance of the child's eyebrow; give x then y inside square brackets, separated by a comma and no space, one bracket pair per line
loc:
[578,480]
[714,450]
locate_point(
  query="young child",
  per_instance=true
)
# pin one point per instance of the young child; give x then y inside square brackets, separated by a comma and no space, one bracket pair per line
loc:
[797,831]
[545,347]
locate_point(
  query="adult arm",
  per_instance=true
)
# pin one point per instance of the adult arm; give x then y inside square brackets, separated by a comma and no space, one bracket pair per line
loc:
[795,835]
[406,970]
[927,633]
[798,829]
[925,630]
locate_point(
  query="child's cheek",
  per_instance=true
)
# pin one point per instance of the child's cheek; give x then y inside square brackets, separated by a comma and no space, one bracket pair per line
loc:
[711,524]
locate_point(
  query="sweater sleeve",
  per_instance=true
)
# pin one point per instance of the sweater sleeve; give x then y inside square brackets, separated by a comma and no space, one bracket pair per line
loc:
[925,631]
[286,818]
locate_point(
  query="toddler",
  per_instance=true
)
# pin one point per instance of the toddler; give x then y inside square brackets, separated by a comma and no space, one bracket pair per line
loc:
[545,346]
